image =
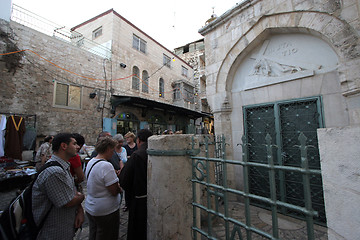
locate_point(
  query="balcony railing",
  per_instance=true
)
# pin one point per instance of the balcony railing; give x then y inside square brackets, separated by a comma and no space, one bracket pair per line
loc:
[38,23]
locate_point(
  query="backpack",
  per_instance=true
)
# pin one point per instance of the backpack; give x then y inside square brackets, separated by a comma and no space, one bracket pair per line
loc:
[17,220]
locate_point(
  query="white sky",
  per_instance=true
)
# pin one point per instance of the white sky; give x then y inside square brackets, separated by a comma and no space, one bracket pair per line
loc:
[173,23]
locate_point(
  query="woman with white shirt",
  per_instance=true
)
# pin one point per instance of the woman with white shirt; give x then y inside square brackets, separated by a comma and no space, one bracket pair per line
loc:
[120,150]
[103,198]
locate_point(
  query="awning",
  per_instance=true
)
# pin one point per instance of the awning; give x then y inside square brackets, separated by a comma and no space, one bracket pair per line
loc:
[151,104]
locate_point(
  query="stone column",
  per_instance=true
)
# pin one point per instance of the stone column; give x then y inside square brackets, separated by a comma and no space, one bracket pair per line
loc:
[170,213]
[340,154]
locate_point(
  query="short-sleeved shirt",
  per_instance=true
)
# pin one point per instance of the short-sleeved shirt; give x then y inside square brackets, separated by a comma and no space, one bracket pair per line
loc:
[53,189]
[122,155]
[99,201]
[130,150]
[75,162]
[44,149]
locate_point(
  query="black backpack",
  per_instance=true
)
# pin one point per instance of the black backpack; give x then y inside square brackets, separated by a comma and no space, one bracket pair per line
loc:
[17,220]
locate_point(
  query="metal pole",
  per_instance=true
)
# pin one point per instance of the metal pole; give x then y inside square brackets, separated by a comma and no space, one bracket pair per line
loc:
[306,183]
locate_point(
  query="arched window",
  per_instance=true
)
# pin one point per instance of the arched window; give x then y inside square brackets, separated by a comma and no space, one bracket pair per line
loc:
[145,81]
[161,87]
[135,78]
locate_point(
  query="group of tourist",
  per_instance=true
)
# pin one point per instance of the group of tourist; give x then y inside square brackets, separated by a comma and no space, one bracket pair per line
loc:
[112,170]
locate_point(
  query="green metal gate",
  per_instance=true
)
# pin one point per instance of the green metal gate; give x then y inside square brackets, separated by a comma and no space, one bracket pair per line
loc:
[281,172]
[284,121]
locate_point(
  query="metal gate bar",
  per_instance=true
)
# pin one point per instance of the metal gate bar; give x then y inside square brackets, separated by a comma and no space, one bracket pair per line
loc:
[201,170]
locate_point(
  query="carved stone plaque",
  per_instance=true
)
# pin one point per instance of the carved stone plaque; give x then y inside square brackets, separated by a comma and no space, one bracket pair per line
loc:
[282,58]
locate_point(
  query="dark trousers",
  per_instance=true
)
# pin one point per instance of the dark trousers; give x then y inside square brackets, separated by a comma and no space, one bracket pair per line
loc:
[104,227]
[137,219]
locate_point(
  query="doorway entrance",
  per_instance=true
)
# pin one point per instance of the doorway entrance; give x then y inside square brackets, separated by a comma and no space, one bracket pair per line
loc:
[284,121]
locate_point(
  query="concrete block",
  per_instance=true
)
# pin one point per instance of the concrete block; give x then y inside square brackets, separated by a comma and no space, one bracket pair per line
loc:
[311,86]
[335,112]
[330,83]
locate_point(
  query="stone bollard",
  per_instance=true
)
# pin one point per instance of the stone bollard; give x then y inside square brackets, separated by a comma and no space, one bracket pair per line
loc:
[169,190]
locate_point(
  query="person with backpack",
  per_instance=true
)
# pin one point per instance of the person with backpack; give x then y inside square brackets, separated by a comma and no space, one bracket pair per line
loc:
[54,195]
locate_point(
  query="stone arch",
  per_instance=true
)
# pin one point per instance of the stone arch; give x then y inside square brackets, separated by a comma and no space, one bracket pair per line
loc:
[336,32]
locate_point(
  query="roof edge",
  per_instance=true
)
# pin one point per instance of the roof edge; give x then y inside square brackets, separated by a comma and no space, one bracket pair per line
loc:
[131,24]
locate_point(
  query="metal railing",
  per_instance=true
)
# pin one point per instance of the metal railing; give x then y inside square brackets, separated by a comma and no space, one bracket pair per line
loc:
[234,227]
[38,23]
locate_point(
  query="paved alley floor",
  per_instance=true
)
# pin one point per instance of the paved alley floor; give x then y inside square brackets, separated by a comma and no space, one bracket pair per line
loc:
[289,228]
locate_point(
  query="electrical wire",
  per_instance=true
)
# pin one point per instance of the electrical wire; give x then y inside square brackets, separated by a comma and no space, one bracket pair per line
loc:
[106,80]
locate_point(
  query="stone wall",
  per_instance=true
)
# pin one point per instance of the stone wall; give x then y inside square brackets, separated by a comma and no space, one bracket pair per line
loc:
[341,178]
[28,78]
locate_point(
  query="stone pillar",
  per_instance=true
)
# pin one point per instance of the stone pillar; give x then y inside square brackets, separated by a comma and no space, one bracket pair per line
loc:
[170,213]
[340,168]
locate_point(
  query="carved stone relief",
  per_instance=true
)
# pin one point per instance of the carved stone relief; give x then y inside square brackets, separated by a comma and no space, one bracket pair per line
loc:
[283,58]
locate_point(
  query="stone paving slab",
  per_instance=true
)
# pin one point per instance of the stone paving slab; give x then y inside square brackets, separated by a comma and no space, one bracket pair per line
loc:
[289,228]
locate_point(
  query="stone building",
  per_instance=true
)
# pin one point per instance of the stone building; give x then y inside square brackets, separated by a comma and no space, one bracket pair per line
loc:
[105,74]
[194,54]
[159,79]
[281,67]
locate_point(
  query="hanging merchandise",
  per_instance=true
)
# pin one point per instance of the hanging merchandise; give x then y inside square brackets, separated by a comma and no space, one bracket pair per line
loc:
[15,130]
[2,134]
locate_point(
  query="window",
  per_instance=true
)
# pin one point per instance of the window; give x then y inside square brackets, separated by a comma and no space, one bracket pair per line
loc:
[67,95]
[139,44]
[177,91]
[189,93]
[145,82]
[97,33]
[184,71]
[166,61]
[161,87]
[135,78]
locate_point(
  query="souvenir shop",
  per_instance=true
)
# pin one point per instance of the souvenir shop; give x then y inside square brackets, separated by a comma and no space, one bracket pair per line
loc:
[17,134]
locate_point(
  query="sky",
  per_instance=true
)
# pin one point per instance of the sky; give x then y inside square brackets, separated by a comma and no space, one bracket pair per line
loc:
[173,23]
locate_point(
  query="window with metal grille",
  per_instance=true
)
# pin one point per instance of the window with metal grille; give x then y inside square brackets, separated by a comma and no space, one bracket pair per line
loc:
[189,93]
[67,95]
[284,121]
[166,61]
[184,71]
[145,82]
[176,91]
[139,44]
[135,78]
[161,87]
[97,33]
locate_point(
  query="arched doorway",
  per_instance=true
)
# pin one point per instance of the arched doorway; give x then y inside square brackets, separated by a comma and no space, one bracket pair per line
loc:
[127,122]
[285,79]
[157,124]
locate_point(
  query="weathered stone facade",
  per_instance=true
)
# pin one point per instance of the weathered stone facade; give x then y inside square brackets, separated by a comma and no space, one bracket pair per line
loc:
[29,88]
[32,78]
[274,51]
[117,34]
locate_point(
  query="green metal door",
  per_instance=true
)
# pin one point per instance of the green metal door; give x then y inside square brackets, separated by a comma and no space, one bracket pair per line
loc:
[284,121]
